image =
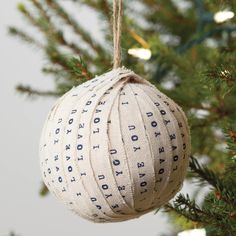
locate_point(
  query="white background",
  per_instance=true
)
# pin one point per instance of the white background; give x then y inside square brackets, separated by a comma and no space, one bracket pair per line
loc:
[21,119]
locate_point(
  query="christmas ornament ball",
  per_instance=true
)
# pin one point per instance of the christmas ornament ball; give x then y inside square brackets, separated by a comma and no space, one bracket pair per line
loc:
[114,148]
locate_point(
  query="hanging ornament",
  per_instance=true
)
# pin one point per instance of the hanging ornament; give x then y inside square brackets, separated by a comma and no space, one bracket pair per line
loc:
[115,147]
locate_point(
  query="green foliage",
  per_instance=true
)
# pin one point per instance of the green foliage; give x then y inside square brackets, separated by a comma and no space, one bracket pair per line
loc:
[217,213]
[12,234]
[189,50]
[43,190]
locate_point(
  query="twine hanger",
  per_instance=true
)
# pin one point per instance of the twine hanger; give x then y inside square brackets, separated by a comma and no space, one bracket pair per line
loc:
[117,22]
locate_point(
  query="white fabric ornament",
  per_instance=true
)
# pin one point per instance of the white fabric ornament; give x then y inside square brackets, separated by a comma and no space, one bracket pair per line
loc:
[115,148]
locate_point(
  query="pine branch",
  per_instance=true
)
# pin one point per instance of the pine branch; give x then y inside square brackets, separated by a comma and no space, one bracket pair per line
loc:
[213,214]
[34,92]
[199,39]
[58,35]
[78,29]
[102,7]
[43,190]
[165,13]
[203,174]
[183,207]
[26,13]
[45,25]
[231,138]
[13,31]
[75,67]
[218,210]
[54,70]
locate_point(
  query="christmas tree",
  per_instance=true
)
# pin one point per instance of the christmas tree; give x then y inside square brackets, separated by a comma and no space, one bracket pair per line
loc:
[187,49]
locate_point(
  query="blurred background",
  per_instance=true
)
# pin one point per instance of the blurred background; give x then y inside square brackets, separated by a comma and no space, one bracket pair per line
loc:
[22,210]
[186,48]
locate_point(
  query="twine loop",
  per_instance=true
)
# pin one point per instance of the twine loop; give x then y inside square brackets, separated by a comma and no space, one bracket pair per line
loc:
[117,22]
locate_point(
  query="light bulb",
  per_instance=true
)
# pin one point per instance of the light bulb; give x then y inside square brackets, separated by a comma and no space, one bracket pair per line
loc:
[141,53]
[222,16]
[225,72]
[193,232]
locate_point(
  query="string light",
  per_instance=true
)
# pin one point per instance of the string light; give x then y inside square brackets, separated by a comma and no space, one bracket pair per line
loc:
[225,72]
[193,232]
[222,16]
[199,113]
[142,53]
